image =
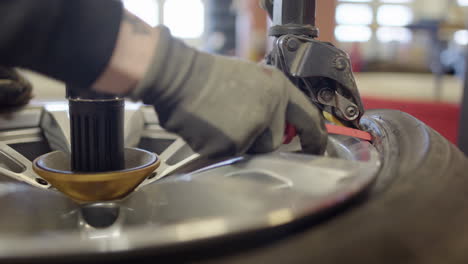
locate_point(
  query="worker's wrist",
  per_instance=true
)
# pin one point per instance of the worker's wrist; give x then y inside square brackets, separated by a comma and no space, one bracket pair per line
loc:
[172,72]
[131,58]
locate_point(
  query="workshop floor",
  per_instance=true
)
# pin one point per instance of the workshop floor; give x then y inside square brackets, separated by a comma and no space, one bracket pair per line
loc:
[411,93]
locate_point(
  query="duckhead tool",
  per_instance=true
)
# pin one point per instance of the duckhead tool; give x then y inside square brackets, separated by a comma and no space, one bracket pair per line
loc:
[321,70]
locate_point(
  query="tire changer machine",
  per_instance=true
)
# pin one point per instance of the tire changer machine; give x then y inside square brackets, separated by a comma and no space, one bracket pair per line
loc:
[101,181]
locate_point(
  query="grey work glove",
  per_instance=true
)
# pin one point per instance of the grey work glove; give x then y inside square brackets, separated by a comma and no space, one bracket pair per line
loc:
[15,91]
[223,106]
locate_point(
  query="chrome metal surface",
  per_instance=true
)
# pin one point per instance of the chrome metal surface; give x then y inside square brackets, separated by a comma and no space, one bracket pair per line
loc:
[16,166]
[239,196]
[26,118]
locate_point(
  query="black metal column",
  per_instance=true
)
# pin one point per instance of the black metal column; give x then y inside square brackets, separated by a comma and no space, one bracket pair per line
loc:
[294,17]
[97,127]
[220,27]
[463,130]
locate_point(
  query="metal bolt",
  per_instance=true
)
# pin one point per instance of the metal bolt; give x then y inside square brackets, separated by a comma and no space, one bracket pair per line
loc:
[154,174]
[41,181]
[293,44]
[351,111]
[341,63]
[326,94]
[272,60]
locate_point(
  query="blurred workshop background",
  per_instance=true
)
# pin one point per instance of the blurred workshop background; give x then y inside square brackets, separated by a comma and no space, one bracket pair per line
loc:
[407,54]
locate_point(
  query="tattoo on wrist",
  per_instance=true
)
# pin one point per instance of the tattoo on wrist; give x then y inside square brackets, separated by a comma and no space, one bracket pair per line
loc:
[138,26]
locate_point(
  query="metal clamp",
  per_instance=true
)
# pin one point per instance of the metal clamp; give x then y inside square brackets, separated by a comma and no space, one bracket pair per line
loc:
[313,65]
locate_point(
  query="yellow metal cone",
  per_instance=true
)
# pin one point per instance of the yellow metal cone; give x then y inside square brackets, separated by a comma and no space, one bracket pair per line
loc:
[91,187]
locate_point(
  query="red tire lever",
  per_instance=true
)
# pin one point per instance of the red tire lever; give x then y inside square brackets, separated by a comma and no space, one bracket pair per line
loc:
[291,132]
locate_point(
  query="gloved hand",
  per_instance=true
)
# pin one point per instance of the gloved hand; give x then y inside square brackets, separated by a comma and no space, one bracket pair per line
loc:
[223,106]
[15,91]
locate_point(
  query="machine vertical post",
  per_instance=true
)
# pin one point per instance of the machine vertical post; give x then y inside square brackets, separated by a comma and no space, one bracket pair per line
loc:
[294,17]
[463,129]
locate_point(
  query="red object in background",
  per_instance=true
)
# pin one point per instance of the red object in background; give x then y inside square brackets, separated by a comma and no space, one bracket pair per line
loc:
[442,117]
[356,57]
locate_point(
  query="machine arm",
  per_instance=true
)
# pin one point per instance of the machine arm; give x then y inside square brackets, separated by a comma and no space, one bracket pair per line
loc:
[319,69]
